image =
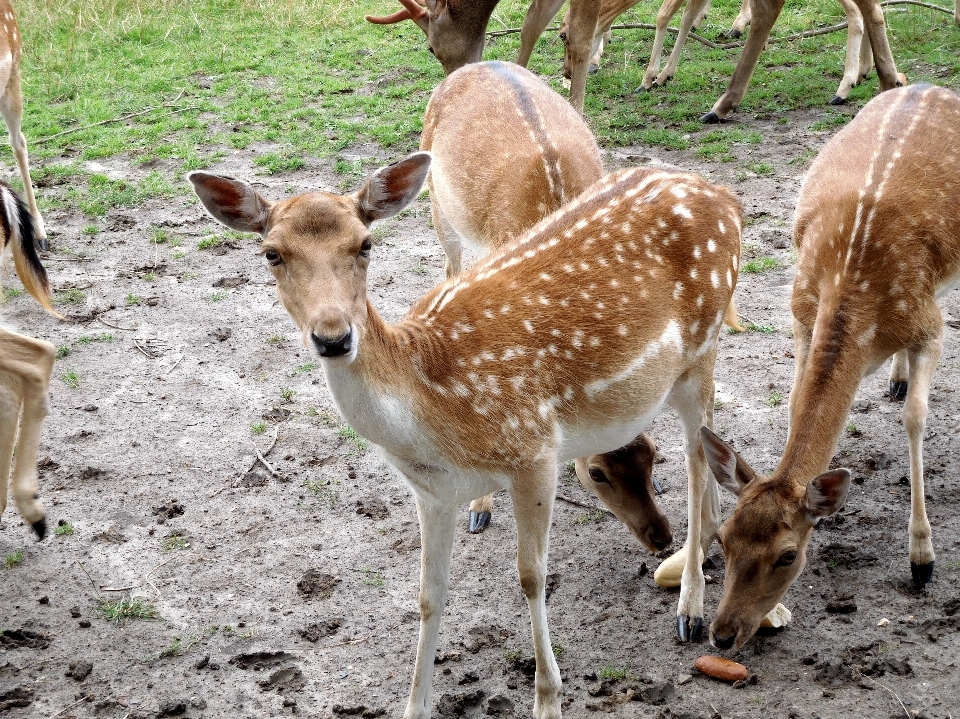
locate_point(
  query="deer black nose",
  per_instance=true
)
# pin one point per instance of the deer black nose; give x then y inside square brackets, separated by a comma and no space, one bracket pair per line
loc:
[723,642]
[335,347]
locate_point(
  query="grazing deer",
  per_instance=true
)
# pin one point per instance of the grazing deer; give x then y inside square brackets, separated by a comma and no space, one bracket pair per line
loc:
[25,368]
[11,107]
[564,344]
[878,230]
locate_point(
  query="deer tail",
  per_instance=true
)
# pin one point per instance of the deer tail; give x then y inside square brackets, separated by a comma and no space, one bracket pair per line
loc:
[20,232]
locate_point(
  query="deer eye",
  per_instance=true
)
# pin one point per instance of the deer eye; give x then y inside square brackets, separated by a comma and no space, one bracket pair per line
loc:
[786,559]
[563,37]
[273,257]
[598,476]
[366,247]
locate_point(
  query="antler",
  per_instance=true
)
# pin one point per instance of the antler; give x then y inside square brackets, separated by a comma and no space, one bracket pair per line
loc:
[412,10]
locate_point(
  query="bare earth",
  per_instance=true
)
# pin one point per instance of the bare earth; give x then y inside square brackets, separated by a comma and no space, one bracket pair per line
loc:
[296,592]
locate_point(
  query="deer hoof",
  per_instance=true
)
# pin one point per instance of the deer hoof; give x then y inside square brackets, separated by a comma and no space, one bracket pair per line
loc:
[479,521]
[692,632]
[898,391]
[40,527]
[922,573]
[732,34]
[641,89]
[41,244]
[711,118]
[837,100]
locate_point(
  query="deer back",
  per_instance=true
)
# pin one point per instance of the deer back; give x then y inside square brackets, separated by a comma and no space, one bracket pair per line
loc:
[507,151]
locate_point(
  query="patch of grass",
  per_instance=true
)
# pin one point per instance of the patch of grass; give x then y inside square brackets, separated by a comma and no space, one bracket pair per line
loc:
[759,265]
[212,241]
[63,351]
[347,433]
[287,394]
[853,430]
[159,236]
[276,162]
[102,194]
[774,399]
[304,368]
[763,329]
[71,379]
[312,412]
[218,296]
[326,491]
[258,427]
[592,517]
[133,299]
[127,608]
[149,277]
[276,339]
[612,674]
[64,530]
[102,337]
[372,578]
[419,268]
[10,292]
[178,255]
[174,543]
[14,559]
[90,230]
[71,296]
[764,169]
[558,649]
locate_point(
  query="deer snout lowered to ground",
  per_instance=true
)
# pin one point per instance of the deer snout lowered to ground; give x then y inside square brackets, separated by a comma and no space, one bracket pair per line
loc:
[564,344]
[878,232]
[25,368]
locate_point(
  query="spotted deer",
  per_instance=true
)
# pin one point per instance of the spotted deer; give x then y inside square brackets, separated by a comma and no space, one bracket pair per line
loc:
[11,107]
[878,231]
[564,344]
[25,368]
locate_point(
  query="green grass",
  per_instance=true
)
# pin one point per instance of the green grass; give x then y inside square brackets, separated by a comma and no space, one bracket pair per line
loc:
[129,607]
[347,433]
[304,368]
[10,292]
[71,296]
[133,299]
[258,427]
[218,296]
[759,265]
[287,394]
[64,530]
[612,674]
[71,379]
[174,543]
[63,351]
[774,399]
[592,517]
[326,491]
[13,559]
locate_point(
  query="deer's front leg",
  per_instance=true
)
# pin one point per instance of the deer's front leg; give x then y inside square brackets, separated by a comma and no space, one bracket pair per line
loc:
[437,523]
[9,418]
[533,495]
[923,364]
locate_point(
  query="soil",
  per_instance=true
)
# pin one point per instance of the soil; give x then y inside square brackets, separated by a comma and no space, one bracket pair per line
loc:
[294,591]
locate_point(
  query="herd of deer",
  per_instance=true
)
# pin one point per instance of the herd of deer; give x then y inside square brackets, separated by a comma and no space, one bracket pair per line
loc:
[600,300]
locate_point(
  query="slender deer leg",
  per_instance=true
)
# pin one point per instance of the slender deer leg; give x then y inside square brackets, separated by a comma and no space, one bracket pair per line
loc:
[533,496]
[702,15]
[437,524]
[866,58]
[664,15]
[740,24]
[538,16]
[876,28]
[852,62]
[899,376]
[480,512]
[449,239]
[765,13]
[583,25]
[9,417]
[691,398]
[11,107]
[923,364]
[690,13]
[802,336]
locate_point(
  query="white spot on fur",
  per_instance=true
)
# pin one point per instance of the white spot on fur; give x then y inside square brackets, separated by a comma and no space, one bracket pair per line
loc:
[714,278]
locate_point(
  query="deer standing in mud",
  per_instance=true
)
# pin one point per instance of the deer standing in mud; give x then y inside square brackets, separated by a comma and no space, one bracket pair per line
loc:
[564,344]
[25,368]
[878,231]
[11,107]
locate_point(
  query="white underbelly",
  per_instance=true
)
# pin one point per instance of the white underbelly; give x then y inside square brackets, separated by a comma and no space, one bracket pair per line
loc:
[585,440]
[445,482]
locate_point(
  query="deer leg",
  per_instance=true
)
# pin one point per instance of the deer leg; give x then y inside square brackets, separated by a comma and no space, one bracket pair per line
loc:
[852,62]
[533,496]
[579,48]
[876,28]
[740,24]
[11,107]
[690,13]
[437,525]
[600,43]
[866,58]
[899,375]
[765,13]
[480,512]
[691,397]
[701,16]
[923,364]
[802,336]
[9,418]
[449,239]
[664,15]
[538,16]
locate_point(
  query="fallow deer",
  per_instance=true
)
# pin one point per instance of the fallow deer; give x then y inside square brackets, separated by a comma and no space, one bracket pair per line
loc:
[25,368]
[878,231]
[564,344]
[11,107]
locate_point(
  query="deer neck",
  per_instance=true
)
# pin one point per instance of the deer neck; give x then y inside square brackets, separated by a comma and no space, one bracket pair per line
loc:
[834,367]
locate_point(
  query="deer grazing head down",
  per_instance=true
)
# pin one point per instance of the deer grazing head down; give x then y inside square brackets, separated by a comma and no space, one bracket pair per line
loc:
[878,233]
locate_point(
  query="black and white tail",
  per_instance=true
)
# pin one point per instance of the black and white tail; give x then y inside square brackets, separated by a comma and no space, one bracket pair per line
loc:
[19,231]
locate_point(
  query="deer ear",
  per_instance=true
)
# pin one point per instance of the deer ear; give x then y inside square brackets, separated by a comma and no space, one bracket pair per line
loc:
[730,469]
[393,187]
[826,493]
[231,202]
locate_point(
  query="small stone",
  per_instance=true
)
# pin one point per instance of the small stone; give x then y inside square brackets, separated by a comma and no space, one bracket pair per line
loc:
[684,679]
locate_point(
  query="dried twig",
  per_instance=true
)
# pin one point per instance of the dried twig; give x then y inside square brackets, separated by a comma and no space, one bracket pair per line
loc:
[86,697]
[145,353]
[118,589]
[116,327]
[66,259]
[176,363]
[147,578]
[575,503]
[257,458]
[884,686]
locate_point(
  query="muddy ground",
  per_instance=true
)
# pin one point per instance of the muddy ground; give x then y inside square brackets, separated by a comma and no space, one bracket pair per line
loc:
[297,593]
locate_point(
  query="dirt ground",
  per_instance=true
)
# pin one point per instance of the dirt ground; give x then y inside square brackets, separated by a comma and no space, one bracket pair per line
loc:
[296,592]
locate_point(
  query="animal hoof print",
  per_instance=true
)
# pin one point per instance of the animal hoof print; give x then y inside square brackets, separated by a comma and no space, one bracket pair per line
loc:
[922,573]
[711,118]
[898,391]
[40,527]
[837,100]
[479,521]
